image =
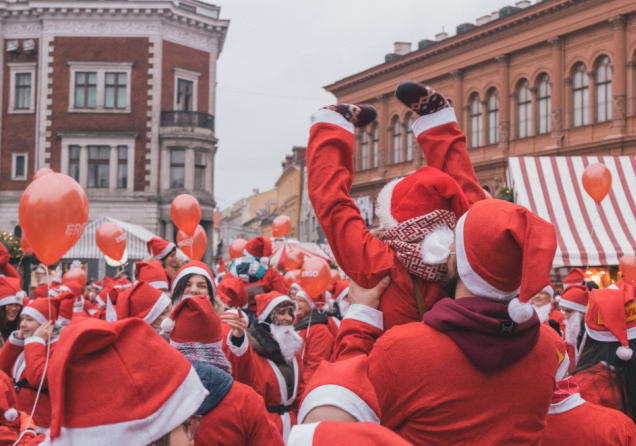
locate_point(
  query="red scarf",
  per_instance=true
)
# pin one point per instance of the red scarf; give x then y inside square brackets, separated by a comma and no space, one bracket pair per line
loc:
[565,389]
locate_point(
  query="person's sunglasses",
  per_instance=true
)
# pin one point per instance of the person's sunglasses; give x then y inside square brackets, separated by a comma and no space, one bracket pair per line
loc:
[191,426]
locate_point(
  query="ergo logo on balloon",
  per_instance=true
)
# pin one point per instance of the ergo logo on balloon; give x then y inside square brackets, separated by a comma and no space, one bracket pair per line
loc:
[75,229]
[309,274]
[121,238]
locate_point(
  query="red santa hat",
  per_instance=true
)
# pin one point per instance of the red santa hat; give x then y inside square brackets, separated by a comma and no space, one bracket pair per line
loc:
[142,301]
[8,401]
[39,309]
[504,251]
[575,297]
[422,192]
[314,302]
[194,267]
[66,307]
[233,292]
[10,291]
[71,286]
[610,318]
[193,320]
[98,285]
[160,248]
[259,247]
[341,289]
[265,303]
[563,359]
[345,385]
[125,283]
[109,282]
[153,274]
[41,291]
[123,357]
[575,276]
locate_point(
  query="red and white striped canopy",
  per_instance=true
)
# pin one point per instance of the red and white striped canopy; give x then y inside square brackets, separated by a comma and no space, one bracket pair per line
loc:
[551,187]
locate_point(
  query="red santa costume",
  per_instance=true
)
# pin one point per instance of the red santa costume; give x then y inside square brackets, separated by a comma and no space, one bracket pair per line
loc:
[11,293]
[313,328]
[576,276]
[192,267]
[142,301]
[574,298]
[233,292]
[273,370]
[25,361]
[14,423]
[333,433]
[153,274]
[159,249]
[480,352]
[427,202]
[130,355]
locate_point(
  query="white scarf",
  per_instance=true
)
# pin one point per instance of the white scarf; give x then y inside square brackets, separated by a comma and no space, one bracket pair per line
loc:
[543,311]
[572,330]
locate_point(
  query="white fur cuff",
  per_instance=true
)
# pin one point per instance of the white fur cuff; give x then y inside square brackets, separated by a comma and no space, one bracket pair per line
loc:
[436,246]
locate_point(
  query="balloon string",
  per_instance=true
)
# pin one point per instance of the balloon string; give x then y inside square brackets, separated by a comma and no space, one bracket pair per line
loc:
[192,248]
[592,233]
[48,355]
[21,258]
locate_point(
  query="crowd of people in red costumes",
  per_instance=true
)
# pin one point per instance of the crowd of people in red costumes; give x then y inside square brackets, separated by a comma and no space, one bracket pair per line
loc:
[448,332]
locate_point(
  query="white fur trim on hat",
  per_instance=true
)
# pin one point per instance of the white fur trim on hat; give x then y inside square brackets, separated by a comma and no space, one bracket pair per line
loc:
[194,270]
[304,295]
[436,245]
[156,310]
[624,353]
[10,414]
[563,302]
[342,294]
[35,314]
[295,286]
[340,397]
[326,116]
[271,305]
[475,284]
[167,325]
[169,247]
[302,434]
[566,405]
[427,122]
[383,205]
[608,336]
[8,300]
[520,312]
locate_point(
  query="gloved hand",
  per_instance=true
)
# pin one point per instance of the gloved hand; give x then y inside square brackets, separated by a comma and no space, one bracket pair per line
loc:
[76,264]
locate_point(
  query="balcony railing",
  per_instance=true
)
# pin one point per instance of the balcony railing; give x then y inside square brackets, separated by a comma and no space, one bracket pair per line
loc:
[177,118]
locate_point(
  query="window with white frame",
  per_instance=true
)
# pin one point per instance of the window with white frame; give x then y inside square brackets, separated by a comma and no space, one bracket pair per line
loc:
[122,167]
[409,137]
[74,162]
[200,164]
[604,90]
[375,144]
[475,121]
[580,95]
[100,87]
[524,109]
[19,166]
[364,150]
[98,167]
[396,128]
[493,116]
[177,169]
[545,106]
[185,89]
[22,88]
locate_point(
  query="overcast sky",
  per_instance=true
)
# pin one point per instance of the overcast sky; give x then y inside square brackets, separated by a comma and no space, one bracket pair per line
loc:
[280,53]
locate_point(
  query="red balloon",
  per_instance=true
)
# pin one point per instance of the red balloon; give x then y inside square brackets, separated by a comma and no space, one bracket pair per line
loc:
[294,259]
[627,265]
[597,181]
[53,213]
[40,173]
[281,226]
[292,276]
[186,213]
[25,245]
[195,245]
[78,275]
[111,240]
[236,248]
[314,276]
[335,276]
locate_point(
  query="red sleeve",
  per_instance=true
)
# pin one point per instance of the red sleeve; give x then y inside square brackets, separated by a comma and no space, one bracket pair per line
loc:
[35,360]
[317,347]
[9,354]
[362,257]
[29,437]
[384,380]
[354,338]
[5,266]
[243,368]
[258,427]
[275,281]
[444,146]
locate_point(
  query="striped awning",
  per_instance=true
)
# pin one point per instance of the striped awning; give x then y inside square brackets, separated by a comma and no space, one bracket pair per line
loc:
[587,235]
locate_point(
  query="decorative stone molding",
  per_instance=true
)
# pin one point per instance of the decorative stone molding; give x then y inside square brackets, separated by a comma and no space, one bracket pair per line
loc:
[619,111]
[618,22]
[457,75]
[556,43]
[504,133]
[503,60]
[557,123]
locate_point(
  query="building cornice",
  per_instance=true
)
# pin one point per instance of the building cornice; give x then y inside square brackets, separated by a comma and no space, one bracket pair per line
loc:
[493,28]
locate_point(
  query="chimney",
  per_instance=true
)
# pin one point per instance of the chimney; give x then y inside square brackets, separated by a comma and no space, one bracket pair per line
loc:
[441,36]
[425,44]
[483,20]
[402,48]
[523,4]
[494,16]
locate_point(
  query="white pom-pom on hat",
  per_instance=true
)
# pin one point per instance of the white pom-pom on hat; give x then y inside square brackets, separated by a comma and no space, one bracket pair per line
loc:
[520,312]
[167,325]
[436,246]
[10,414]
[624,353]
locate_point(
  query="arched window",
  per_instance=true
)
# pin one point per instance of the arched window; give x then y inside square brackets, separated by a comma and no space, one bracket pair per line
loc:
[493,116]
[604,90]
[409,137]
[364,150]
[475,121]
[545,104]
[524,107]
[397,140]
[580,93]
[375,143]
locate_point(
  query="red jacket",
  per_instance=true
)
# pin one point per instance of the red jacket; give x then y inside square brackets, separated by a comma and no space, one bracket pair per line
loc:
[333,433]
[359,330]
[597,385]
[317,347]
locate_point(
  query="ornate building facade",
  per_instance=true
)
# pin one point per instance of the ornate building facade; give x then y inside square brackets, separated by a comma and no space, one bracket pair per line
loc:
[557,77]
[118,95]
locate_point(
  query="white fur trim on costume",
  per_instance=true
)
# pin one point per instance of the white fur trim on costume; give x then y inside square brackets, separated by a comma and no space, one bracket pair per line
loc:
[340,397]
[624,353]
[302,434]
[10,414]
[612,287]
[35,314]
[567,404]
[563,368]
[167,325]
[383,205]
[427,122]
[342,294]
[156,310]
[100,302]
[193,270]
[182,403]
[34,340]
[111,313]
[436,245]
[304,295]
[520,312]
[608,336]
[368,315]
[160,285]
[285,399]
[234,311]
[169,247]
[11,300]
[237,351]
[15,341]
[326,116]
[563,302]
[475,284]
[271,305]
[295,286]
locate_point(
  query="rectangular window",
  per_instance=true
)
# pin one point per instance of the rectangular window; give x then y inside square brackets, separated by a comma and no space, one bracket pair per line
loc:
[177,169]
[86,89]
[22,91]
[122,167]
[19,168]
[199,170]
[375,145]
[98,166]
[74,162]
[364,151]
[115,90]
[184,94]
